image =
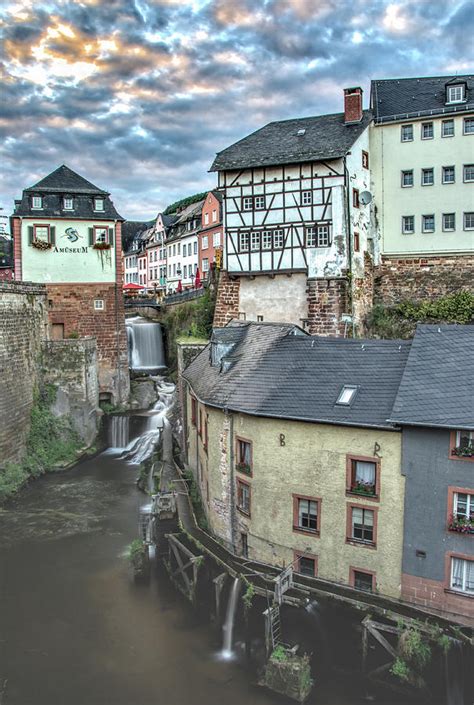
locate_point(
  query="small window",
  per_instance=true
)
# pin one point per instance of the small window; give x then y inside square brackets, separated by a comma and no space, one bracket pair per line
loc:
[101,236]
[407,178]
[462,575]
[244,242]
[427,177]
[206,218]
[305,565]
[455,94]
[427,131]
[449,222]
[355,197]
[362,580]
[244,545]
[259,319]
[448,174]
[98,204]
[247,203]
[99,305]
[306,198]
[267,237]
[204,243]
[462,444]
[68,203]
[306,514]
[469,126]
[447,128]
[365,159]
[243,497]
[254,241]
[408,224]
[214,216]
[216,239]
[356,242]
[278,239]
[362,476]
[468,173]
[259,203]
[195,247]
[407,133]
[428,223]
[41,233]
[346,395]
[205,264]
[362,525]
[243,456]
[37,202]
[462,513]
[469,221]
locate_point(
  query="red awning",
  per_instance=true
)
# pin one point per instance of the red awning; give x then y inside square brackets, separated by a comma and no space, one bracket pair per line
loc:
[131,286]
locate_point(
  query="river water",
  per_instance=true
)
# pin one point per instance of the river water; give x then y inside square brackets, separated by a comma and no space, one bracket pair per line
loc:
[74,627]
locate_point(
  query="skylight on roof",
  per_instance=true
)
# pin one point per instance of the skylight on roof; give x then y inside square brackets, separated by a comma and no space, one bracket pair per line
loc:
[346,395]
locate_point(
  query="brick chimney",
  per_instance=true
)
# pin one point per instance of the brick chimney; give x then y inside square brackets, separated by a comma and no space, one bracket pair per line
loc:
[352,105]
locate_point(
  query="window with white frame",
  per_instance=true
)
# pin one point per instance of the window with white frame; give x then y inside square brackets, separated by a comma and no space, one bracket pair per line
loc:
[267,240]
[99,305]
[306,198]
[204,242]
[98,204]
[259,203]
[306,514]
[407,133]
[214,216]
[362,525]
[206,218]
[447,128]
[101,235]
[407,178]
[455,94]
[427,177]
[255,241]
[468,173]
[448,174]
[462,575]
[37,202]
[469,221]
[195,247]
[244,242]
[469,126]
[408,224]
[428,223]
[463,508]
[247,203]
[322,235]
[68,203]
[216,240]
[41,233]
[205,265]
[449,222]
[427,131]
[278,239]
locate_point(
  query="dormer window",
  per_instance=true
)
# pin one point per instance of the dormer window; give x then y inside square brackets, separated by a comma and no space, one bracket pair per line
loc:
[37,202]
[456,93]
[68,203]
[98,204]
[346,395]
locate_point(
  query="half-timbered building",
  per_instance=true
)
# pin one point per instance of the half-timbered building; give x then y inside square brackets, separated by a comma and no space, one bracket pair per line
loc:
[295,222]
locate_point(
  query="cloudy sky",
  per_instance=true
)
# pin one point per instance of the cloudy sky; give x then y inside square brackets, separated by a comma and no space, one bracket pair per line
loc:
[138,95]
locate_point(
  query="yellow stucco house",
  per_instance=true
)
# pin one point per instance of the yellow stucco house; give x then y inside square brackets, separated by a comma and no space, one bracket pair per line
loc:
[288,440]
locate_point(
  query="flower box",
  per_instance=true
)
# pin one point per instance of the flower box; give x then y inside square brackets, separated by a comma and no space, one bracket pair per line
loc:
[41,245]
[464,451]
[363,489]
[101,246]
[244,468]
[461,524]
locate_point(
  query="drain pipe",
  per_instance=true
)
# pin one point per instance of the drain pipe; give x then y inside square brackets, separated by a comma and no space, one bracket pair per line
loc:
[233,517]
[349,241]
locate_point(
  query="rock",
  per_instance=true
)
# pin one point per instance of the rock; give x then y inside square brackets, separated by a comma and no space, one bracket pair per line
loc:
[143,393]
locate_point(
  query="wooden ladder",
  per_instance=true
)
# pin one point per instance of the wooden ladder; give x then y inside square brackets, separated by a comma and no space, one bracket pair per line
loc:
[275,625]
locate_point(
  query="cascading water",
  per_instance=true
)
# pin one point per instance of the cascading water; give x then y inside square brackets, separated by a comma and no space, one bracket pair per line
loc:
[141,448]
[454,675]
[228,628]
[119,431]
[145,345]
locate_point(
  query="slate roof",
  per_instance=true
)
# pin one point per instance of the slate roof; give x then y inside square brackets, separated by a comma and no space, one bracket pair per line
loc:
[326,137]
[274,373]
[398,96]
[65,182]
[132,229]
[437,386]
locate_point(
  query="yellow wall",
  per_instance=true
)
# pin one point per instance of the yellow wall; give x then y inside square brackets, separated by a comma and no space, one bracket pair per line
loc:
[312,462]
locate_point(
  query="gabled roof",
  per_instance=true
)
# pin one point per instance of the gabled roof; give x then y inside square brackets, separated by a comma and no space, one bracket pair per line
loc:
[65,180]
[134,229]
[393,98]
[273,370]
[437,386]
[325,137]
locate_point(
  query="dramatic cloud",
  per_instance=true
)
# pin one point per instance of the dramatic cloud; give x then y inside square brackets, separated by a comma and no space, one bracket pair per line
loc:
[138,95]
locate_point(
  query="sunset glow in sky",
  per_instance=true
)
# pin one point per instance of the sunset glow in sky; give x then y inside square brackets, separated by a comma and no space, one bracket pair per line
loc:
[139,95]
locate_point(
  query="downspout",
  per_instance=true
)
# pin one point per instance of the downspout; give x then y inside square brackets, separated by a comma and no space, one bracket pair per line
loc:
[348,238]
[233,518]
[117,333]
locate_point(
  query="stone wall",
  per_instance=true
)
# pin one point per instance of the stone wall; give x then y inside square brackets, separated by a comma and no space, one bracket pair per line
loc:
[422,278]
[72,305]
[327,301]
[71,366]
[23,327]
[227,301]
[363,294]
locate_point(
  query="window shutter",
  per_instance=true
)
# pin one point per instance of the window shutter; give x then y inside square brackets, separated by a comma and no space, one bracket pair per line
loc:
[91,236]
[30,234]
[52,235]
[111,236]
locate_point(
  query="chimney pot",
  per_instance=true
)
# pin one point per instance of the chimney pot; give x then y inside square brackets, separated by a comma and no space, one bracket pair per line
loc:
[352,105]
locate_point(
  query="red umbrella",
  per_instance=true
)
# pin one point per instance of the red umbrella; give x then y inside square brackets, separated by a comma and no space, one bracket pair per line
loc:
[179,287]
[131,286]
[197,280]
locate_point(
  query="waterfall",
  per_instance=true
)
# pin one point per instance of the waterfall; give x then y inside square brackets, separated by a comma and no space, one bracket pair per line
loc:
[145,345]
[228,628]
[119,431]
[141,449]
[454,674]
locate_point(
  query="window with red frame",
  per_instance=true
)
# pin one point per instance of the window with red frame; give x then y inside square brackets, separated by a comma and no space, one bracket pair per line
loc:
[244,456]
[355,197]
[462,517]
[463,444]
[362,525]
[243,497]
[306,513]
[306,564]
[356,242]
[363,477]
[362,580]
[365,159]
[205,439]
[193,411]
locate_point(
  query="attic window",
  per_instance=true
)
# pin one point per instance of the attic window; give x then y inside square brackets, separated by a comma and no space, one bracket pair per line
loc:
[37,202]
[301,132]
[456,93]
[346,395]
[98,204]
